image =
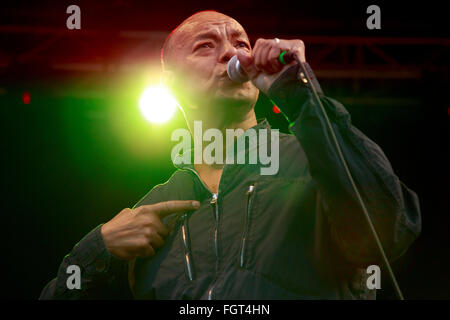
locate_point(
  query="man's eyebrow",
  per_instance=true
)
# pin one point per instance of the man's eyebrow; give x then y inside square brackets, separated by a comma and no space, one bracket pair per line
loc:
[215,35]
[236,33]
[207,35]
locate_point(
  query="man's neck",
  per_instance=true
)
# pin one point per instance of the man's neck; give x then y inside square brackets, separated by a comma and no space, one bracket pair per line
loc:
[211,173]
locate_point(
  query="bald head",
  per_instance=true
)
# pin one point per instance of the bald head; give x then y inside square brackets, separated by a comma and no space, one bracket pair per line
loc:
[194,59]
[178,37]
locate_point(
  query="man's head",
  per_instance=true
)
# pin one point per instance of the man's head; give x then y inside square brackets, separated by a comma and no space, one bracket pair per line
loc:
[195,57]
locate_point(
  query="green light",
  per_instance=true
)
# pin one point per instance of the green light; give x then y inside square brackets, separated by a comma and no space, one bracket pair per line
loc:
[157,104]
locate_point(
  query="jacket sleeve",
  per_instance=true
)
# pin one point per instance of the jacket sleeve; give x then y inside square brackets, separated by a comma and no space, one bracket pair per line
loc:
[102,276]
[393,208]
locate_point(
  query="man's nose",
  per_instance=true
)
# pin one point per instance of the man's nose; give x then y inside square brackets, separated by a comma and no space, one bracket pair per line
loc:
[227,53]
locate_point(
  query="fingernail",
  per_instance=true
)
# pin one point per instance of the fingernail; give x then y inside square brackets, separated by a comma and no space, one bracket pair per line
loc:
[195,204]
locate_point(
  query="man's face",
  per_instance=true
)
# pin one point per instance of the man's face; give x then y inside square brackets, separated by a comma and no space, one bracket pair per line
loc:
[200,51]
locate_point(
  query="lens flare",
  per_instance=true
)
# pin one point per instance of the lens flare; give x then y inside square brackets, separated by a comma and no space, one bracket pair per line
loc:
[157,104]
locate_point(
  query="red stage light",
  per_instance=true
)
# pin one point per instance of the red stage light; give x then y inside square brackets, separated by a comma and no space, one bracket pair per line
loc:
[275,109]
[26,98]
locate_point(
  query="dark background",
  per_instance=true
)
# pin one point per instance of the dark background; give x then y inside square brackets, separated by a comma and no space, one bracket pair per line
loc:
[80,151]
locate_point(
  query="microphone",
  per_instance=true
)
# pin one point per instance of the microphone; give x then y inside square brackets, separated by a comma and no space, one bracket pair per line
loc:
[237,74]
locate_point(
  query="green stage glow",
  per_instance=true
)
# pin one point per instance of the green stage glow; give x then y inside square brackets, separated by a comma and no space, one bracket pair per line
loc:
[157,104]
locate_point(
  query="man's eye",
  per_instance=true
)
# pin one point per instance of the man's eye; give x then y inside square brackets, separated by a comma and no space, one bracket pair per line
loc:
[242,45]
[204,45]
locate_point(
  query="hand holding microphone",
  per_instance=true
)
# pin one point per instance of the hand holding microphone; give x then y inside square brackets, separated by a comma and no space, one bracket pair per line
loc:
[268,59]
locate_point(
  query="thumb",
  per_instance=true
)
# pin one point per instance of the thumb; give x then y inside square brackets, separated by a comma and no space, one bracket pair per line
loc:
[246,61]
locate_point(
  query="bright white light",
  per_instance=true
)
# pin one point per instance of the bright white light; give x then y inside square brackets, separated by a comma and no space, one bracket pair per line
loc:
[157,104]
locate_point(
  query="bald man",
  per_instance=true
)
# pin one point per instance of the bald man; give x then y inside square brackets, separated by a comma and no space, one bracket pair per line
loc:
[225,231]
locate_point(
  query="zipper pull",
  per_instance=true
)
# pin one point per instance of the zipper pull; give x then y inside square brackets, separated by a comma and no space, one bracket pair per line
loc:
[187,247]
[214,198]
[210,293]
[250,191]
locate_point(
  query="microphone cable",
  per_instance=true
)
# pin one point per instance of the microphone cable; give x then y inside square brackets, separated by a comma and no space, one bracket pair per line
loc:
[302,76]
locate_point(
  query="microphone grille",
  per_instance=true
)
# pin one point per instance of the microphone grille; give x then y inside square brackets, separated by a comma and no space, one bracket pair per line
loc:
[235,72]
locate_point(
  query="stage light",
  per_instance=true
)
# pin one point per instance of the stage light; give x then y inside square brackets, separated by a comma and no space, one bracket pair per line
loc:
[275,109]
[157,104]
[26,97]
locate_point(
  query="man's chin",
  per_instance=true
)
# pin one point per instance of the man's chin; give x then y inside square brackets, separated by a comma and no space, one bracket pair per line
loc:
[234,98]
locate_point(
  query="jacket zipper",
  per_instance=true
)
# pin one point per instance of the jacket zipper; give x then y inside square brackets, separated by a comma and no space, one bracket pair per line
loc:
[187,247]
[215,208]
[250,192]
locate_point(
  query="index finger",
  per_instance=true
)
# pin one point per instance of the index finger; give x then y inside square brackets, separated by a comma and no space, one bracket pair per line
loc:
[163,209]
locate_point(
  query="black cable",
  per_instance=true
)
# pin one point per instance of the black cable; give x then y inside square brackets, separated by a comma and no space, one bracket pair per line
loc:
[344,163]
